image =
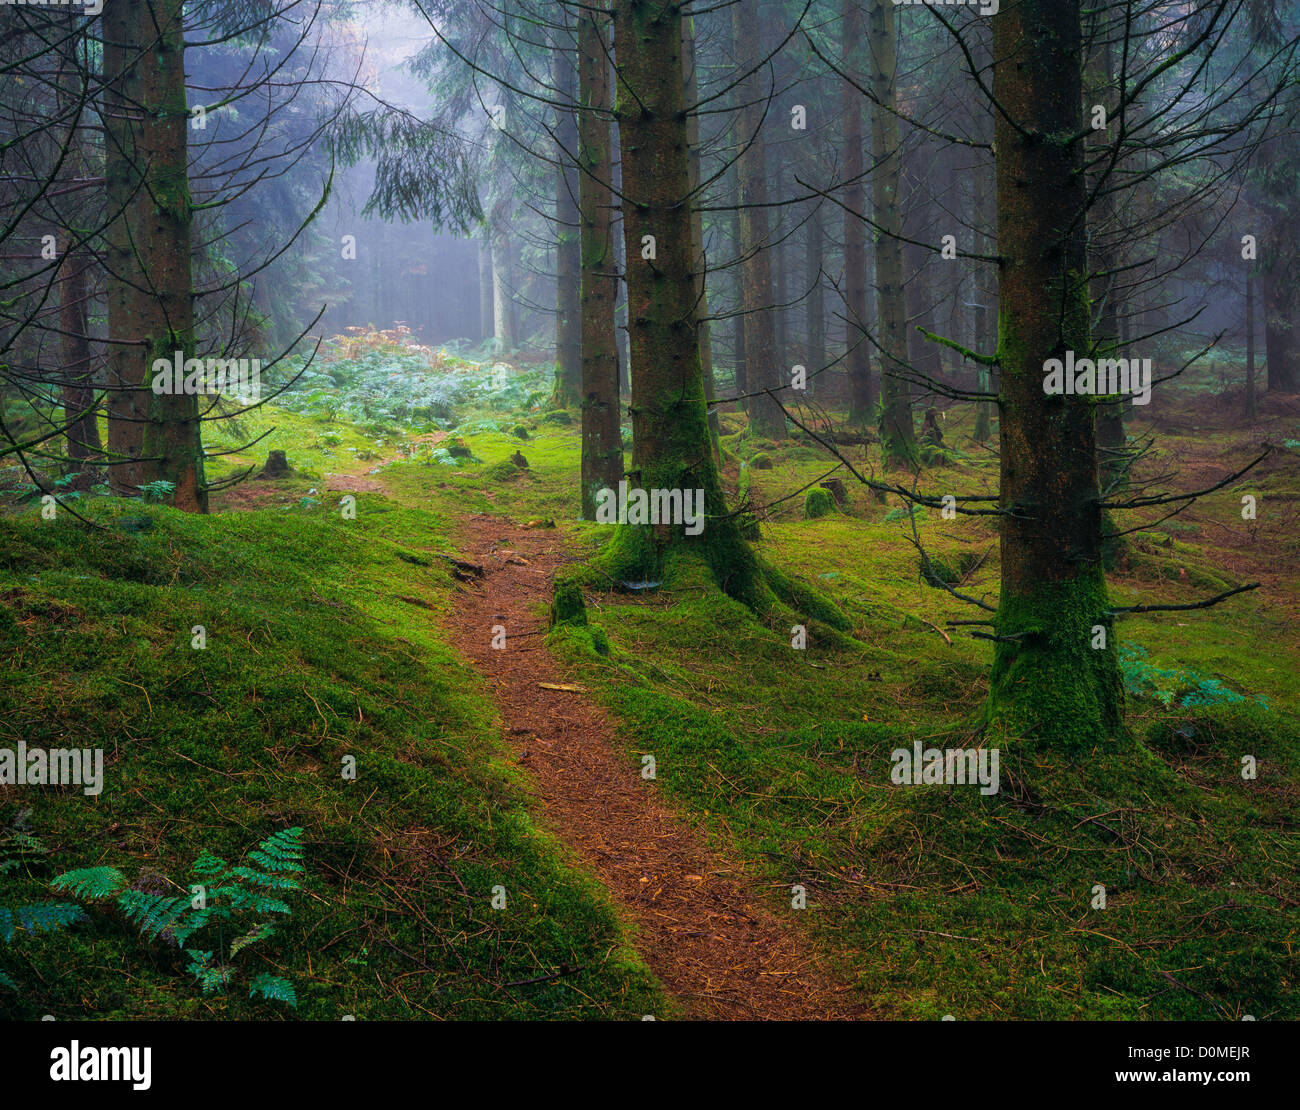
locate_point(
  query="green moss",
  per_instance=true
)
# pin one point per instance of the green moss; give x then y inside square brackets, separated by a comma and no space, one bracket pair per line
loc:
[315,651]
[817,502]
[1228,731]
[567,604]
[504,471]
[1050,684]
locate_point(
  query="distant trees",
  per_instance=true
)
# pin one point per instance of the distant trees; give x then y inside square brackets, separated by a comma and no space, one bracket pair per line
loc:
[136,201]
[761,371]
[897,432]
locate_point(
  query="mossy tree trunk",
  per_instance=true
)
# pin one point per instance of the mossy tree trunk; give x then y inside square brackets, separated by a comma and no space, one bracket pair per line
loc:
[761,370]
[1048,681]
[857,356]
[897,432]
[150,283]
[671,446]
[568,324]
[602,441]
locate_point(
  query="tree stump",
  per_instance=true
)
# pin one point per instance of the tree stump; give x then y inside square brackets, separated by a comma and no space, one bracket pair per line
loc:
[277,466]
[835,487]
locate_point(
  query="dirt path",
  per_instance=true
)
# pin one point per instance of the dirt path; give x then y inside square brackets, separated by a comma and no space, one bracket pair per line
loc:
[712,944]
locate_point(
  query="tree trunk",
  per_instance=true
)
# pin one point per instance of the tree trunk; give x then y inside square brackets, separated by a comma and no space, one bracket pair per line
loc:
[738,321]
[503,314]
[1252,411]
[766,418]
[691,93]
[150,284]
[486,308]
[602,441]
[1047,681]
[857,356]
[1281,320]
[816,306]
[919,295]
[669,418]
[897,433]
[984,339]
[1112,441]
[568,323]
[78,391]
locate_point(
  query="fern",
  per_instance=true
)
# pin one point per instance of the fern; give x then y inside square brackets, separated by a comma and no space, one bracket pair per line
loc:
[256,934]
[153,913]
[90,882]
[48,917]
[241,896]
[19,848]
[281,852]
[273,988]
[1184,688]
[211,976]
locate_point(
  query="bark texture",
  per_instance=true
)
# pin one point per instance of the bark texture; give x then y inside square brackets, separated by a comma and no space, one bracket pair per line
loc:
[1048,682]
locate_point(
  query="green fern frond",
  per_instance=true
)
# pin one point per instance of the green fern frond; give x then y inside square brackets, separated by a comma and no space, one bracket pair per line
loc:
[211,976]
[5,981]
[17,848]
[279,852]
[253,936]
[270,882]
[48,917]
[153,913]
[273,988]
[90,882]
[208,865]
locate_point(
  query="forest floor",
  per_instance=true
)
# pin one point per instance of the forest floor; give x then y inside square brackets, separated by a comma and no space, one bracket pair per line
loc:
[717,949]
[487,859]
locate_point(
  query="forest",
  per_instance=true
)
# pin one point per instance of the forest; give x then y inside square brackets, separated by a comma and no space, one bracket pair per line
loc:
[716,510]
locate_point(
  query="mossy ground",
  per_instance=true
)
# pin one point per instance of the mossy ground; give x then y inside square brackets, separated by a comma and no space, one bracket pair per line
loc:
[933,900]
[322,642]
